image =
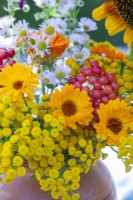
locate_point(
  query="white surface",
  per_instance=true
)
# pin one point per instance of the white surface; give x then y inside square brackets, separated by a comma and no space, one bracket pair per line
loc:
[122,179]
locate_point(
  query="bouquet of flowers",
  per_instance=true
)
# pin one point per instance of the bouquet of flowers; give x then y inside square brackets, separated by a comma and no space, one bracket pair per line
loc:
[62,103]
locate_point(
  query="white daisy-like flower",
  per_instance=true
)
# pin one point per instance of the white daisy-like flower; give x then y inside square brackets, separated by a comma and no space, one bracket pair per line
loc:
[79,3]
[78,39]
[66,6]
[48,77]
[60,24]
[42,47]
[33,38]
[21,29]
[48,28]
[86,24]
[80,54]
[62,73]
[6,21]
[3,30]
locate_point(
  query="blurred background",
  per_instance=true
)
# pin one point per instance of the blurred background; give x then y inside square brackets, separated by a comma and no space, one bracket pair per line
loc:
[89,5]
[122,179]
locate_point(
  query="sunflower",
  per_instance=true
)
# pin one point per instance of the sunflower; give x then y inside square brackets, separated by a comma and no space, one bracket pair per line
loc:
[114,121]
[18,80]
[74,105]
[118,14]
[108,50]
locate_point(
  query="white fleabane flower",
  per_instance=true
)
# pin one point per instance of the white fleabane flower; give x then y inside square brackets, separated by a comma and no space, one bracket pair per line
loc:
[41,47]
[86,24]
[80,54]
[21,29]
[48,28]
[6,21]
[60,24]
[62,73]
[78,39]
[48,77]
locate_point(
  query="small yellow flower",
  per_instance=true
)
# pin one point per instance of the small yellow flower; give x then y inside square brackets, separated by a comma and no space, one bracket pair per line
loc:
[17,161]
[53,173]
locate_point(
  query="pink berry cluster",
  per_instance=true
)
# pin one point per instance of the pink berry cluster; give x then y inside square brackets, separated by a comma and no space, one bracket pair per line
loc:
[6,57]
[100,86]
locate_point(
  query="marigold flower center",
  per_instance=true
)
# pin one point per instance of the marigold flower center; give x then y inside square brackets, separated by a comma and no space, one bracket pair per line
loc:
[114,125]
[125,9]
[18,85]
[69,108]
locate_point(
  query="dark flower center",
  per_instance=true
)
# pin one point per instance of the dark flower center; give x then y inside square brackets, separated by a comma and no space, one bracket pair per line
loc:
[69,108]
[18,85]
[114,125]
[125,10]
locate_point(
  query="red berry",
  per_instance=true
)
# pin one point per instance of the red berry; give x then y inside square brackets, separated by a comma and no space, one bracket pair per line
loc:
[11,61]
[81,78]
[92,79]
[103,80]
[86,71]
[111,77]
[72,80]
[97,94]
[114,85]
[96,104]
[107,89]
[77,85]
[112,96]
[86,88]
[3,54]
[93,63]
[97,85]
[96,70]
[1,61]
[104,99]
[10,52]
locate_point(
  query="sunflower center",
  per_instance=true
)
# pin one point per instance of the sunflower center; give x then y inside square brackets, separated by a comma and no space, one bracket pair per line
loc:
[125,9]
[18,85]
[69,108]
[114,125]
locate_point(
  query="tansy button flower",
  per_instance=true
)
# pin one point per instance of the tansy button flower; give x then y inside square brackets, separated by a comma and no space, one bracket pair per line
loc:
[74,105]
[18,80]
[118,14]
[114,121]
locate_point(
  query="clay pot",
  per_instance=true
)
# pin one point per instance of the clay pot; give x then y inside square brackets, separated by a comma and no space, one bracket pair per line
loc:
[97,184]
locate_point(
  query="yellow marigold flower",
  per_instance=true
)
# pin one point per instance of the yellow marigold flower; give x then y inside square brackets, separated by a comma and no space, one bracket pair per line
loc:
[75,186]
[60,181]
[17,161]
[19,81]
[54,132]
[19,116]
[5,122]
[47,141]
[6,132]
[83,157]
[11,174]
[67,175]
[63,144]
[82,143]
[14,138]
[9,113]
[75,196]
[43,162]
[6,162]
[6,100]
[45,97]
[51,160]
[68,103]
[71,162]
[75,171]
[2,107]
[55,195]
[48,118]
[71,150]
[21,171]
[23,150]
[6,153]
[36,131]
[60,157]
[33,164]
[53,173]
[119,14]
[114,121]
